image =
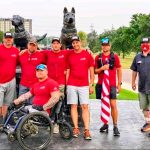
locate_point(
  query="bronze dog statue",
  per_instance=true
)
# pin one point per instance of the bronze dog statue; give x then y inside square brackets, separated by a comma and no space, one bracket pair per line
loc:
[21,36]
[68,29]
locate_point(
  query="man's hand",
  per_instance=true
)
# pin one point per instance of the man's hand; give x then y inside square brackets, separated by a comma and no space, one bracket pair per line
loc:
[17,102]
[38,107]
[119,88]
[134,86]
[91,90]
[22,52]
[11,106]
[105,67]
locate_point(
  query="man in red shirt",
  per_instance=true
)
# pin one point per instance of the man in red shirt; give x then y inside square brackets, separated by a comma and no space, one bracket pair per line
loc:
[80,65]
[45,91]
[113,66]
[28,62]
[56,64]
[8,62]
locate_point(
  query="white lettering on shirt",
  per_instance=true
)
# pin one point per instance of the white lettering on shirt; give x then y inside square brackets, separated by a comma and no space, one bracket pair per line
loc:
[83,58]
[13,55]
[62,56]
[42,87]
[33,58]
[55,88]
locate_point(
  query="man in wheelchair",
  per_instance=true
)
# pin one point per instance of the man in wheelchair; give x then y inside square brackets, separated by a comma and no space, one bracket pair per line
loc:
[45,91]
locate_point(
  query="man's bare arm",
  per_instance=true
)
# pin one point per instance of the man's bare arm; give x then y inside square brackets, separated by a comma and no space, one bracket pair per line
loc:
[119,77]
[99,70]
[22,98]
[134,75]
[52,101]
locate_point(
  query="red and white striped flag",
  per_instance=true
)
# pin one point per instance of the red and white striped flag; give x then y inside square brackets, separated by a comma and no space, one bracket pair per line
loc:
[105,104]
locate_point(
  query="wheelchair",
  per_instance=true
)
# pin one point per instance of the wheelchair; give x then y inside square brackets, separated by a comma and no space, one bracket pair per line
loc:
[34,131]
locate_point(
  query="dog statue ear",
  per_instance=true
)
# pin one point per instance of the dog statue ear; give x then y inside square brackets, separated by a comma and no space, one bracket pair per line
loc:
[65,10]
[22,19]
[73,10]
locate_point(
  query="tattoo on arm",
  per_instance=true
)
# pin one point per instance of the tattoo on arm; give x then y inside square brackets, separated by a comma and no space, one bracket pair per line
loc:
[25,96]
[53,100]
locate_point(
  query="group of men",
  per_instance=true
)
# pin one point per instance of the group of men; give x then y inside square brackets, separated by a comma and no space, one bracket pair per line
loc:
[46,73]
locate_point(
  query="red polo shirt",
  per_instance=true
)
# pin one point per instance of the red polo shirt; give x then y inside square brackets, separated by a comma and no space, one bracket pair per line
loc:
[42,91]
[112,73]
[79,64]
[8,63]
[28,63]
[56,64]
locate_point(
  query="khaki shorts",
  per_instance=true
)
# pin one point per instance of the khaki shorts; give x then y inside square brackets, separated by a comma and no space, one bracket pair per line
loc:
[75,93]
[144,101]
[7,92]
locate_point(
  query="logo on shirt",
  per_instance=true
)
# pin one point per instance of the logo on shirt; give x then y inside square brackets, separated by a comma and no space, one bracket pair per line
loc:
[55,88]
[62,56]
[13,55]
[83,58]
[42,87]
[33,58]
[139,62]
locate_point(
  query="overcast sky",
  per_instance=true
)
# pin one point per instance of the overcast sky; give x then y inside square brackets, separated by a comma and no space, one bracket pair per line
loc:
[47,15]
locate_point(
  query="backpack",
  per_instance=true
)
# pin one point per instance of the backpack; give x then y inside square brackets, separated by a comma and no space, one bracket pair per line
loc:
[111,61]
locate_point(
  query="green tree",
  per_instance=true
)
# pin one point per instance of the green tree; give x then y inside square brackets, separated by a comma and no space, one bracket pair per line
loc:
[93,41]
[83,38]
[121,42]
[140,27]
[1,36]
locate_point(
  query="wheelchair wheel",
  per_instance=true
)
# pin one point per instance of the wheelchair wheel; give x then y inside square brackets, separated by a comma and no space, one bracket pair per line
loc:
[35,131]
[65,130]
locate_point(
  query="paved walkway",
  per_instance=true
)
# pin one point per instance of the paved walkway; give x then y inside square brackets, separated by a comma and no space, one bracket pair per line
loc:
[130,121]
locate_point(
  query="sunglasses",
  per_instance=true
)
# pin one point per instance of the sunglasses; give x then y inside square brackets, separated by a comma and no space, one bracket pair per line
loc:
[41,67]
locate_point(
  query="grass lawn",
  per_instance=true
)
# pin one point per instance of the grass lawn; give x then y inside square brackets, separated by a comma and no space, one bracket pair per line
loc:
[126,62]
[123,95]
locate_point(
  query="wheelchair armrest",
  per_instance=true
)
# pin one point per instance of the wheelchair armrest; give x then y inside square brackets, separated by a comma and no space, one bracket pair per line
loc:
[58,107]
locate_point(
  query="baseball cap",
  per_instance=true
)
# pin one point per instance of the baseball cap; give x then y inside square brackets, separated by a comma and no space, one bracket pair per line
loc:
[33,41]
[8,35]
[41,67]
[75,38]
[145,40]
[105,41]
[56,39]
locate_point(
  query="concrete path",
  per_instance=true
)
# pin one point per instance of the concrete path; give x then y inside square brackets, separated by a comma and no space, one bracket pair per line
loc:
[130,122]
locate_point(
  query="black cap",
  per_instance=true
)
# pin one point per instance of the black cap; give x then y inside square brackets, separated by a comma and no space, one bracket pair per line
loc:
[56,39]
[145,40]
[75,38]
[8,35]
[105,41]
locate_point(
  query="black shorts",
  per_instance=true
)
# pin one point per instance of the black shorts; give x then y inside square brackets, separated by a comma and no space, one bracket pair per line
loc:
[98,90]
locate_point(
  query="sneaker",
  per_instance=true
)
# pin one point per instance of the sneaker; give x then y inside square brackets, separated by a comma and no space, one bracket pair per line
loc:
[76,132]
[142,129]
[87,135]
[116,131]
[56,128]
[146,127]
[104,128]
